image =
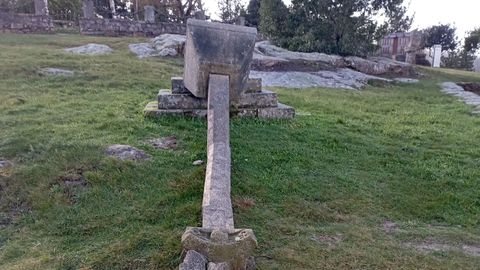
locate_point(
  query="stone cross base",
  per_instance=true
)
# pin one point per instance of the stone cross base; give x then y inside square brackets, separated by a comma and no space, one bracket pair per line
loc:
[255,102]
[217,249]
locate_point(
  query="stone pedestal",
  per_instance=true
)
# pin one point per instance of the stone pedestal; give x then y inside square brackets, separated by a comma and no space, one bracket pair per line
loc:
[149,14]
[41,7]
[233,248]
[88,9]
[254,102]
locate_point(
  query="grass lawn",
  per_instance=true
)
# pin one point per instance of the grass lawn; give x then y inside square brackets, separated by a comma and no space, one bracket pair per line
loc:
[384,178]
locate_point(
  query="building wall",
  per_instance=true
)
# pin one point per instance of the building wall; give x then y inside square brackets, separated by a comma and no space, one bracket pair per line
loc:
[25,23]
[116,27]
[387,48]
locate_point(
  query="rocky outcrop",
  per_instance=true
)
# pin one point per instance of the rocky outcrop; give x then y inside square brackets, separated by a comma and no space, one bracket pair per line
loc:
[342,78]
[268,57]
[163,45]
[379,66]
[294,66]
[91,49]
[468,97]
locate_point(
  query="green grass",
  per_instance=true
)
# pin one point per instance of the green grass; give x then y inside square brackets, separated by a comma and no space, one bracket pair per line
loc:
[347,163]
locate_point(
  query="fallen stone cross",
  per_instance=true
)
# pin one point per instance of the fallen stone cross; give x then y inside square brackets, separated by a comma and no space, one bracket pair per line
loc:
[215,48]
[216,83]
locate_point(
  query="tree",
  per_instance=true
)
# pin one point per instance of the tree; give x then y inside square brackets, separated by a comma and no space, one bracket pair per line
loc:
[69,10]
[472,41]
[252,17]
[230,10]
[459,59]
[443,34]
[345,27]
[273,14]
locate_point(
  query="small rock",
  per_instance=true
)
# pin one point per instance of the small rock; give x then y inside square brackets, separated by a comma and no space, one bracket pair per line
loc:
[164,143]
[193,261]
[91,49]
[126,152]
[218,266]
[163,45]
[143,50]
[169,44]
[406,80]
[197,162]
[55,72]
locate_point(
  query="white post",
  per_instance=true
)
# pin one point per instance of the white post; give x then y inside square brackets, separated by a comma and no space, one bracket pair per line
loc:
[437,56]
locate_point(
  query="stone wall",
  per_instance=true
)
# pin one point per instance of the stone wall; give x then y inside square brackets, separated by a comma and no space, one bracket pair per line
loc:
[115,27]
[25,23]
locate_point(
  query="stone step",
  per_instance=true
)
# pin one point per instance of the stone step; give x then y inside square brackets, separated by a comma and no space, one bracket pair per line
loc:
[168,100]
[281,111]
[254,85]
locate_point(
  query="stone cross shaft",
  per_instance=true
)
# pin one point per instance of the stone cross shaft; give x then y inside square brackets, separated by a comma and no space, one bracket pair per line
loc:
[217,62]
[217,206]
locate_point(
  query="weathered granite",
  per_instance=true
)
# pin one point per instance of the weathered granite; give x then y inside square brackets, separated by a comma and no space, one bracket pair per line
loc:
[380,66]
[193,261]
[169,44]
[265,51]
[217,212]
[143,50]
[467,97]
[342,78]
[218,266]
[205,54]
[90,49]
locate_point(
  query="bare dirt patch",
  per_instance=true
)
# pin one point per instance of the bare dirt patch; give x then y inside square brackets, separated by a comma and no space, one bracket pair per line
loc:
[243,203]
[72,181]
[329,240]
[126,152]
[5,167]
[433,245]
[165,143]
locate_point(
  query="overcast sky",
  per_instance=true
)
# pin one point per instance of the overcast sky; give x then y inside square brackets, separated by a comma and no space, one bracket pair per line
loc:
[464,14]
